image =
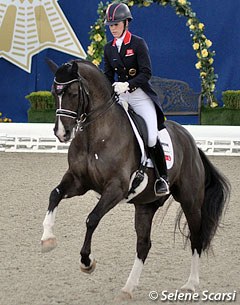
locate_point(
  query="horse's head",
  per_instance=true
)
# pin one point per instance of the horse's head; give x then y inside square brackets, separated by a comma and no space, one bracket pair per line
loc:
[71,95]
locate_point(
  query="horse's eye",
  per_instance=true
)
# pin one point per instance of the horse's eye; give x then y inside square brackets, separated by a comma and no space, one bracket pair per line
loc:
[74,94]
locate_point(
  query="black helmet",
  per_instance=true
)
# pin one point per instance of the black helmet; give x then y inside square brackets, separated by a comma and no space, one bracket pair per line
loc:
[117,12]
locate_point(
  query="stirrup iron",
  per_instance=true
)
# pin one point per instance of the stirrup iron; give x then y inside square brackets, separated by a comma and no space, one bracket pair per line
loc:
[162,189]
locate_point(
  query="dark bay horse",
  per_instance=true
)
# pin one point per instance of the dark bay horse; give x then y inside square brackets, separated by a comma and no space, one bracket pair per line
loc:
[104,155]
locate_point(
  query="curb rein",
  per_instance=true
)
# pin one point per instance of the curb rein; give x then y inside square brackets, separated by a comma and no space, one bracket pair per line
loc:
[83,118]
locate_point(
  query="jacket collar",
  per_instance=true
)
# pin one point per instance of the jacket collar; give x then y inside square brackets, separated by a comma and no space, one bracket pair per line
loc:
[126,40]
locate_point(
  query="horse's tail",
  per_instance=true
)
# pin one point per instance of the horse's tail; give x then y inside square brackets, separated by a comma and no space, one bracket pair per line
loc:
[217,193]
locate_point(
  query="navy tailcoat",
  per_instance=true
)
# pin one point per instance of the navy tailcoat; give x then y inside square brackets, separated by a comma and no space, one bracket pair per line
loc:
[133,65]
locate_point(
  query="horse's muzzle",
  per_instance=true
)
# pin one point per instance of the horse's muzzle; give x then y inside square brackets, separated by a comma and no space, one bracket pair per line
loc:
[63,135]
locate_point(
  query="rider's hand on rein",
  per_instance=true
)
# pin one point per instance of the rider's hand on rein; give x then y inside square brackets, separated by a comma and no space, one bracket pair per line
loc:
[121,87]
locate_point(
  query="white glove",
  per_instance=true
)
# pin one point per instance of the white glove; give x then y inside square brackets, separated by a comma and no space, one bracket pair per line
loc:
[120,87]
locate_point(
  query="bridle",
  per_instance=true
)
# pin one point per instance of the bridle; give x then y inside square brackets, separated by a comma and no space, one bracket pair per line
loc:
[82,117]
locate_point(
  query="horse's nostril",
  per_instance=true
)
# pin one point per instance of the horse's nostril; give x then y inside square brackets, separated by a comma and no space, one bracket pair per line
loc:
[67,133]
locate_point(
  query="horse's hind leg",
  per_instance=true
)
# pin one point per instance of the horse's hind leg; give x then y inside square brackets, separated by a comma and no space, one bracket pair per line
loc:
[192,213]
[143,223]
[65,189]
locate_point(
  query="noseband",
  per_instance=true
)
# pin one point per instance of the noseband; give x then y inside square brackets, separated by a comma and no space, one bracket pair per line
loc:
[83,93]
[81,116]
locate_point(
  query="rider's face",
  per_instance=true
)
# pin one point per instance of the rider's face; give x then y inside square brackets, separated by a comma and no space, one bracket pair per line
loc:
[117,29]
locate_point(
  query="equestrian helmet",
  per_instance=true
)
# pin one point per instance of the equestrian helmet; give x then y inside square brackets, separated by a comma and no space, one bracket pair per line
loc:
[117,12]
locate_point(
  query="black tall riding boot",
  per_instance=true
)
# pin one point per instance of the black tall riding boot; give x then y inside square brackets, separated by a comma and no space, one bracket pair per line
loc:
[161,186]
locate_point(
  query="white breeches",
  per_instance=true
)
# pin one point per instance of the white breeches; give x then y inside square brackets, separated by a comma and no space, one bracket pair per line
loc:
[143,106]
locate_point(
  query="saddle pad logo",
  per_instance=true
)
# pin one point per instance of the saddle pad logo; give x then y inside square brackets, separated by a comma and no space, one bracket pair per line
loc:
[166,142]
[168,158]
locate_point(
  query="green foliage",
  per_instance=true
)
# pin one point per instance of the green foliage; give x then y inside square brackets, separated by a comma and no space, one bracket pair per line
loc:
[97,37]
[220,116]
[41,116]
[41,100]
[231,99]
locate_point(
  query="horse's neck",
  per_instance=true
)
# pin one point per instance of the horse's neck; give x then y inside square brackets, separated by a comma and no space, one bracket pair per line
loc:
[106,118]
[109,134]
[103,127]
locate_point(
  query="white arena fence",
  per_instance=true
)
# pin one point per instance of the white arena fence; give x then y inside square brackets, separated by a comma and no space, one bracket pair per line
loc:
[34,137]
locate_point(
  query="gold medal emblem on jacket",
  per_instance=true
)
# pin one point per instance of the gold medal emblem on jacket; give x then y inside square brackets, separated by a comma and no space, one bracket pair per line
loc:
[132,72]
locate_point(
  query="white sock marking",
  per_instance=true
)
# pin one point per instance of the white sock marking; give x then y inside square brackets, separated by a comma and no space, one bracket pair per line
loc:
[134,276]
[193,279]
[48,224]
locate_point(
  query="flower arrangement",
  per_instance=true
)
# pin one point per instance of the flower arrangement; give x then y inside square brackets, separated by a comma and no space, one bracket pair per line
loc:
[4,119]
[98,36]
[201,44]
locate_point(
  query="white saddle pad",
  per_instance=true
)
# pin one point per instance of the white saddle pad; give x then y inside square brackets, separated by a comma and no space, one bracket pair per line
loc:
[164,138]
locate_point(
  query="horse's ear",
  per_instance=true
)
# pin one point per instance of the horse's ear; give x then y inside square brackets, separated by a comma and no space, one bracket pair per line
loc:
[52,65]
[74,67]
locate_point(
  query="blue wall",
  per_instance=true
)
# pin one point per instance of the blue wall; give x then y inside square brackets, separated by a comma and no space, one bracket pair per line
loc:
[168,39]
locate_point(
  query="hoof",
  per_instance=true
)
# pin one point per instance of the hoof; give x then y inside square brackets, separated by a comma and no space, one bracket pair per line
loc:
[188,288]
[88,269]
[123,296]
[48,244]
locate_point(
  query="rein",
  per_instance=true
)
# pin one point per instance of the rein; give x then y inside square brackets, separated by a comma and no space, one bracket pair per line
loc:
[88,118]
[82,118]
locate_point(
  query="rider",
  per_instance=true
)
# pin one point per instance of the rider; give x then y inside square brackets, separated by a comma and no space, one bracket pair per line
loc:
[127,57]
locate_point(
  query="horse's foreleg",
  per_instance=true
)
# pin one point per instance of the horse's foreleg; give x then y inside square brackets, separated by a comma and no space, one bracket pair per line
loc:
[143,223]
[48,239]
[65,189]
[109,199]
